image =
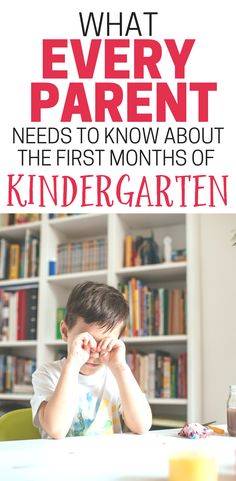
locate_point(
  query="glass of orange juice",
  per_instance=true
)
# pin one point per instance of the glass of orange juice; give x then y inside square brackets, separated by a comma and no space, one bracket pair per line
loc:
[192,466]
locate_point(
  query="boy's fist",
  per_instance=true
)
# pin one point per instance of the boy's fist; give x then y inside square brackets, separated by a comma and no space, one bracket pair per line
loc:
[81,348]
[111,352]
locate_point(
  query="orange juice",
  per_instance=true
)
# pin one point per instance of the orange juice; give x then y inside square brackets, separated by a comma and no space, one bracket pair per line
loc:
[192,466]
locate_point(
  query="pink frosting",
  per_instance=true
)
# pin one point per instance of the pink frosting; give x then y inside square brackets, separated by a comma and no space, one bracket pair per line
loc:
[194,431]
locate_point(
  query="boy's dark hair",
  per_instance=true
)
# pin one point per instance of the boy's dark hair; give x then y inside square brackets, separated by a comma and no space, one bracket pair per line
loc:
[97,303]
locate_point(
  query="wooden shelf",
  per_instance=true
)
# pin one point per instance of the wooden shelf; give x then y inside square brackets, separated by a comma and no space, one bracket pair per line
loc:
[20,344]
[19,282]
[176,402]
[167,422]
[155,339]
[18,230]
[15,397]
[135,340]
[135,221]
[69,280]
[83,225]
[57,342]
[155,272]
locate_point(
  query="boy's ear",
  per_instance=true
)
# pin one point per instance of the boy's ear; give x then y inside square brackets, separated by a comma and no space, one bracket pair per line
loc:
[64,330]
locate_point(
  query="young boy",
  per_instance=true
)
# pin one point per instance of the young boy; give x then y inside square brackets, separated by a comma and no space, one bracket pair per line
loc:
[87,392]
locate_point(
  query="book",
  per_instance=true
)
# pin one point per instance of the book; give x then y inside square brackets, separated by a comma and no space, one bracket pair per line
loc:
[13,315]
[21,317]
[128,251]
[26,253]
[4,245]
[60,315]
[14,261]
[31,313]
[5,315]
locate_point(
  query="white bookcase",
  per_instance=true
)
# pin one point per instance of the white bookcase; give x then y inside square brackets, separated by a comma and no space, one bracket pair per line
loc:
[54,289]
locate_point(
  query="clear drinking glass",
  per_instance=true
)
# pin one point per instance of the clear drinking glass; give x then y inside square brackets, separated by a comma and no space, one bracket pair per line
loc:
[231,411]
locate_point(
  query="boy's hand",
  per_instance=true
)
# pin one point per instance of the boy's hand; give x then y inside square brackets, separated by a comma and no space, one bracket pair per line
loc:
[81,347]
[111,352]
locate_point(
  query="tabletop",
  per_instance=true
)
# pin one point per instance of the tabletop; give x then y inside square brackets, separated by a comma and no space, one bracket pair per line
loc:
[118,457]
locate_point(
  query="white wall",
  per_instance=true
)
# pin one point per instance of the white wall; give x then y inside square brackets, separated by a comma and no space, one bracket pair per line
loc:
[218,281]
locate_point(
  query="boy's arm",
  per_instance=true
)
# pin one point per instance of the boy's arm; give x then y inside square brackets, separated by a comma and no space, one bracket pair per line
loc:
[56,415]
[136,410]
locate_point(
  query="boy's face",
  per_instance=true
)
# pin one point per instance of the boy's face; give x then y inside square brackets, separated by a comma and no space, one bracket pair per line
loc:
[93,364]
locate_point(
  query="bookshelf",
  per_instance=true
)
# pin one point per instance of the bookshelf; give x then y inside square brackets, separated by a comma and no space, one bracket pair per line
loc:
[53,291]
[19,282]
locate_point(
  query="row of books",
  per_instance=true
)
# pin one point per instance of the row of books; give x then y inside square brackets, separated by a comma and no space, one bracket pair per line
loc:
[154,311]
[22,218]
[160,374]
[16,374]
[59,216]
[18,313]
[19,259]
[80,256]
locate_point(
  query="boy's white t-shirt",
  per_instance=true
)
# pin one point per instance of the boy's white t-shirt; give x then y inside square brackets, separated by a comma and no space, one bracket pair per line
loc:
[98,408]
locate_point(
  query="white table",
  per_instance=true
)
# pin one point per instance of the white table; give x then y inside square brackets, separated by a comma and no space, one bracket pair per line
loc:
[119,457]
